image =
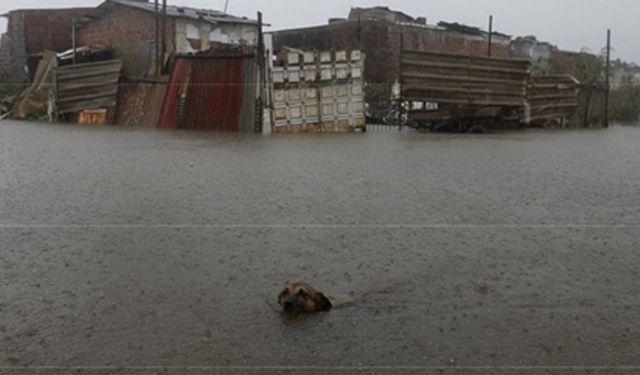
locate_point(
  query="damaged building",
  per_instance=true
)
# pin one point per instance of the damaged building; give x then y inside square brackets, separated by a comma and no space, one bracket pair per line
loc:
[31,32]
[210,77]
[128,27]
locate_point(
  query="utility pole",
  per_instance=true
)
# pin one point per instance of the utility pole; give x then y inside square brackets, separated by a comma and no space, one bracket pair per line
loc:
[489,47]
[73,40]
[262,69]
[156,46]
[400,98]
[164,34]
[608,80]
[226,6]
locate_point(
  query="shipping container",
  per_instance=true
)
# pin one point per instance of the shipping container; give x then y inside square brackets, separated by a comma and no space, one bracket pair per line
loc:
[318,91]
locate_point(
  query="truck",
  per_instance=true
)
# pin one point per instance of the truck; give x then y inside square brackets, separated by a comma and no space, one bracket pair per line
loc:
[445,92]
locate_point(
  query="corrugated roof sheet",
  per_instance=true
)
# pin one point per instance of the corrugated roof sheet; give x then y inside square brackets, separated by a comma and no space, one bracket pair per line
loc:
[207,15]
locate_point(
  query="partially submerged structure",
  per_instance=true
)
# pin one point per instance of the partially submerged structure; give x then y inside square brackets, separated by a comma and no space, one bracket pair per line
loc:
[210,77]
[318,91]
[131,63]
[33,31]
[381,33]
[128,27]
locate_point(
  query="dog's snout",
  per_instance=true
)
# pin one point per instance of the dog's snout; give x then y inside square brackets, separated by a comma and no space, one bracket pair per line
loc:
[290,305]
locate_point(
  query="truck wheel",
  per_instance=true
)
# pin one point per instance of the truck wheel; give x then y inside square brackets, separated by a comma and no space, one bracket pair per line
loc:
[477,129]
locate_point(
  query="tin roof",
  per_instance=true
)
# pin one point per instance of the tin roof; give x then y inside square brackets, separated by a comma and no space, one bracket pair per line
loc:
[207,15]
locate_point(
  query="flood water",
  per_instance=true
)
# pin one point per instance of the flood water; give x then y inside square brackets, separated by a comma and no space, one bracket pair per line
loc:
[131,250]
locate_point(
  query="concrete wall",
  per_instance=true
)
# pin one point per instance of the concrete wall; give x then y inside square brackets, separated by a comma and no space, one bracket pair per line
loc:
[378,13]
[193,36]
[130,33]
[537,52]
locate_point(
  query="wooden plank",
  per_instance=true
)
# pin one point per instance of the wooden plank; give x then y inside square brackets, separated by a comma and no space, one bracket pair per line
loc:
[469,67]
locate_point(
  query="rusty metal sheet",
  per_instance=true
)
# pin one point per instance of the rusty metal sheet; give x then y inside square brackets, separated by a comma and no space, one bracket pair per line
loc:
[87,86]
[216,92]
[140,103]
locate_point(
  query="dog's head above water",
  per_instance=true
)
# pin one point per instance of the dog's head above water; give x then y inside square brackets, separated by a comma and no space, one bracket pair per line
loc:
[302,298]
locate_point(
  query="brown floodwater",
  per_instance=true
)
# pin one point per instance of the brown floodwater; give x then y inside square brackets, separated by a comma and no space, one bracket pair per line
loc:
[132,249]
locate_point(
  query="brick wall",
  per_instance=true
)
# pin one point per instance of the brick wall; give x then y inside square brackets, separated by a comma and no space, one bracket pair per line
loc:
[381,43]
[5,55]
[33,31]
[17,48]
[129,32]
[50,29]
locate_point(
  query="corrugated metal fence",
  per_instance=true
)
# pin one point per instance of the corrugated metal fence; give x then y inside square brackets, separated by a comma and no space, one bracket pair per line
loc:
[86,86]
[591,107]
[140,103]
[212,93]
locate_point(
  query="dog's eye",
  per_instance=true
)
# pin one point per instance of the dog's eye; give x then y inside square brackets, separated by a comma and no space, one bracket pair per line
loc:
[281,296]
[301,292]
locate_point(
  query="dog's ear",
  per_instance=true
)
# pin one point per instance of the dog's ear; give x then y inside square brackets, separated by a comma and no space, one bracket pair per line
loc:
[323,302]
[281,296]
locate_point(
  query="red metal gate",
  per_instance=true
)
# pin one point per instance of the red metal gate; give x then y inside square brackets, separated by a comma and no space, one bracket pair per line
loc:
[212,93]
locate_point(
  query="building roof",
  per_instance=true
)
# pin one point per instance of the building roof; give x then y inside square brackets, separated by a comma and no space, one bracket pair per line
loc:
[42,10]
[206,15]
[469,30]
[355,13]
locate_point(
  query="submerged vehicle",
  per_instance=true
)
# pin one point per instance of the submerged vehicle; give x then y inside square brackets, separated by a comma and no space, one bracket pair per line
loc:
[444,92]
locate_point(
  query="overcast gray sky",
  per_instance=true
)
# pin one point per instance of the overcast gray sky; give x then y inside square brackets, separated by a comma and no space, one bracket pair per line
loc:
[570,24]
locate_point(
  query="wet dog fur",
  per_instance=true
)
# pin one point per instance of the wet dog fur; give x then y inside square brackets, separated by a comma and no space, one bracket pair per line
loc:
[301,298]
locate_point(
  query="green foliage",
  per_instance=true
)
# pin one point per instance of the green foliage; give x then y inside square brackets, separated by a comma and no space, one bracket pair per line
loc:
[378,92]
[8,87]
[625,103]
[587,67]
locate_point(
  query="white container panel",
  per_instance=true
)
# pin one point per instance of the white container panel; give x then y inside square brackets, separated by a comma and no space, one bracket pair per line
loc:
[357,89]
[278,76]
[310,74]
[327,92]
[310,93]
[295,95]
[293,58]
[293,75]
[356,72]
[343,109]
[279,96]
[325,57]
[311,112]
[280,113]
[326,73]
[341,91]
[309,57]
[342,72]
[328,109]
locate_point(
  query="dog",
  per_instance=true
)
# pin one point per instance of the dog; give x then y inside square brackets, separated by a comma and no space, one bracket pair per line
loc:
[301,298]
